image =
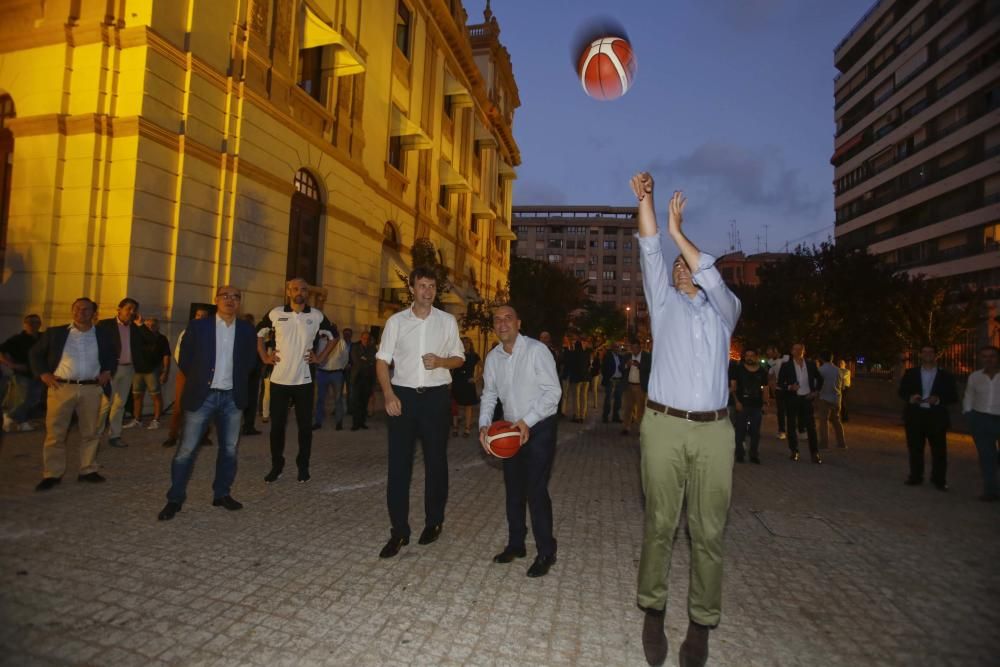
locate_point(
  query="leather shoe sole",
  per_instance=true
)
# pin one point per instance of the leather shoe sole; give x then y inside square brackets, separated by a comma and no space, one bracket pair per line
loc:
[508,555]
[393,546]
[430,534]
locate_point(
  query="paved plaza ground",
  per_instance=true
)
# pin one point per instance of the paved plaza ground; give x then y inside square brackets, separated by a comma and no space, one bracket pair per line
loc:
[838,564]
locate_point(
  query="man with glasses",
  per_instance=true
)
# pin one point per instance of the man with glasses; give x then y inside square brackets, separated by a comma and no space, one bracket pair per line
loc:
[217,355]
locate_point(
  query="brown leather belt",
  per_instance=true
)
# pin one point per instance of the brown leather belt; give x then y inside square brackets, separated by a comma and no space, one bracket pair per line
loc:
[710,416]
[65,381]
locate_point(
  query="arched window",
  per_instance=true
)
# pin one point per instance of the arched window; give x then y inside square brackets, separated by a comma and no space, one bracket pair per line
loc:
[6,166]
[303,229]
[390,236]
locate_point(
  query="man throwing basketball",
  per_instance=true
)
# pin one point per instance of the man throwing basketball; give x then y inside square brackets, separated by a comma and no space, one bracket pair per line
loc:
[686,439]
[522,374]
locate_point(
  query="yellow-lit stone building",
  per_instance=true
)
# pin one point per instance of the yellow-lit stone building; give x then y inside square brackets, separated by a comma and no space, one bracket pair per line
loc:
[160,148]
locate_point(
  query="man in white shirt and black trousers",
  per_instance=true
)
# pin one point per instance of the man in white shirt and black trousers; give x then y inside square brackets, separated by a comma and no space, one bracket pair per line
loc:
[296,329]
[522,374]
[424,345]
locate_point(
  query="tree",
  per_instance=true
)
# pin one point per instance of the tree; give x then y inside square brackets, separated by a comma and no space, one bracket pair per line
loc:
[425,255]
[479,315]
[933,311]
[544,296]
[601,319]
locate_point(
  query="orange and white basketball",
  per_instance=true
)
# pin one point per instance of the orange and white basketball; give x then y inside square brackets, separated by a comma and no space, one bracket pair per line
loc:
[607,68]
[503,440]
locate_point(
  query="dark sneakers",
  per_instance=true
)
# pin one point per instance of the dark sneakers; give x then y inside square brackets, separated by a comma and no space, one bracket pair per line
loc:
[654,639]
[47,483]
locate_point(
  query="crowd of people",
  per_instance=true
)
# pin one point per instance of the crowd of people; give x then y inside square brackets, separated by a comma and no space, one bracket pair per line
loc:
[693,408]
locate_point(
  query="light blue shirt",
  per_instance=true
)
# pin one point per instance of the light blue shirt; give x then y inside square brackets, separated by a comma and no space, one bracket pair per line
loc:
[927,384]
[690,336]
[525,381]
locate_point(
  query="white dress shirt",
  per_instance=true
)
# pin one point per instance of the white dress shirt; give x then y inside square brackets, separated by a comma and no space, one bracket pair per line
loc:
[407,338]
[634,376]
[802,377]
[80,358]
[691,354]
[225,337]
[339,358]
[982,393]
[525,381]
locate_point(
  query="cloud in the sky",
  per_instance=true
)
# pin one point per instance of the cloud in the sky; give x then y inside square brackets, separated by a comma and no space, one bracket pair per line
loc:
[536,193]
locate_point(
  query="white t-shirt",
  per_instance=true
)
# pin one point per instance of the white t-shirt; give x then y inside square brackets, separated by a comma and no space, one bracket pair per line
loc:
[407,338]
[295,334]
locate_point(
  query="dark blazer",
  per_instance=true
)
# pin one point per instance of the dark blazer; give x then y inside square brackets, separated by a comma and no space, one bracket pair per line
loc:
[788,377]
[362,361]
[645,368]
[46,354]
[197,361]
[140,340]
[944,388]
[612,361]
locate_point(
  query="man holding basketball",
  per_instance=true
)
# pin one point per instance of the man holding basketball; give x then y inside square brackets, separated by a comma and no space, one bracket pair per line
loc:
[522,374]
[686,439]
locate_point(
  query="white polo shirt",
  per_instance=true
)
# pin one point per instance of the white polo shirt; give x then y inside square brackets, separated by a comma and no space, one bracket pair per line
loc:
[407,338]
[295,334]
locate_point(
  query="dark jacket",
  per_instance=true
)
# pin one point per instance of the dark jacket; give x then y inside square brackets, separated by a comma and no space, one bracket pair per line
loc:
[197,361]
[611,362]
[577,362]
[47,352]
[645,368]
[787,376]
[140,338]
[362,361]
[944,388]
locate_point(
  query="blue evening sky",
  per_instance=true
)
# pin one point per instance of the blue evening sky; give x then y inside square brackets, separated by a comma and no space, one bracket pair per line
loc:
[733,103]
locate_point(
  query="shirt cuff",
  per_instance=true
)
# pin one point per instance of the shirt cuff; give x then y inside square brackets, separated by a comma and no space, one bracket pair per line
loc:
[650,244]
[263,333]
[384,356]
[707,276]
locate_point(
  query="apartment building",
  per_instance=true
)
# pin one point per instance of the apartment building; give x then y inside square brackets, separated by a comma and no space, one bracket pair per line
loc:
[917,148]
[594,243]
[159,149]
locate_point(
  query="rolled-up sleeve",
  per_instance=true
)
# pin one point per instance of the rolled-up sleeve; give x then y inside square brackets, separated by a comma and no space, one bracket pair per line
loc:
[387,345]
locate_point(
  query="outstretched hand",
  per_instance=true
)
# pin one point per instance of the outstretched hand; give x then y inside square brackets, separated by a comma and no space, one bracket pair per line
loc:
[676,219]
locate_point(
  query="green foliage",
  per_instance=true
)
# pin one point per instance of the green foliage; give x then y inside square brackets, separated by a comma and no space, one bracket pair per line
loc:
[479,315]
[424,254]
[544,296]
[851,303]
[601,320]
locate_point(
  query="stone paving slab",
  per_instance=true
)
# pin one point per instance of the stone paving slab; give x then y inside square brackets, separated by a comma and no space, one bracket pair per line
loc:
[847,567]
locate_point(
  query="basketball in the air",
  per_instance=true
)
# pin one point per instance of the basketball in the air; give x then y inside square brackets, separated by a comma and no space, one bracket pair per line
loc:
[503,440]
[607,68]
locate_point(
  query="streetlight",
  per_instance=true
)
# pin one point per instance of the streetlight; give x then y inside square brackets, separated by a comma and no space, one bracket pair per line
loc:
[628,312]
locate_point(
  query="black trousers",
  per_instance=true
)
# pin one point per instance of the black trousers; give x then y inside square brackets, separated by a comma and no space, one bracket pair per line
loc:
[799,414]
[253,389]
[923,426]
[526,478]
[281,396]
[748,421]
[357,401]
[425,416]
[781,408]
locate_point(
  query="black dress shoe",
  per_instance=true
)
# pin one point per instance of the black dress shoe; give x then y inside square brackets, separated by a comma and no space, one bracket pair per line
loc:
[654,639]
[509,554]
[355,427]
[794,456]
[47,483]
[430,534]
[251,431]
[228,502]
[168,511]
[912,481]
[755,459]
[393,546]
[340,426]
[94,477]
[304,475]
[541,566]
[694,650]
[170,442]
[117,442]
[941,487]
[739,459]
[273,475]
[317,427]
[816,458]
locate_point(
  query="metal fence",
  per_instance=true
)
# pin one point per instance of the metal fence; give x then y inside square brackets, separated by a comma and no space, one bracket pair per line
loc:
[960,358]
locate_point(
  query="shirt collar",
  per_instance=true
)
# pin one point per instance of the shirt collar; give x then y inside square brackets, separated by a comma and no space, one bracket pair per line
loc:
[73,327]
[288,308]
[220,321]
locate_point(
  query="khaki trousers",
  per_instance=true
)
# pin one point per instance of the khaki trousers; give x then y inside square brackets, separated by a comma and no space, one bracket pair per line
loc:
[829,413]
[634,401]
[578,392]
[693,461]
[85,400]
[113,408]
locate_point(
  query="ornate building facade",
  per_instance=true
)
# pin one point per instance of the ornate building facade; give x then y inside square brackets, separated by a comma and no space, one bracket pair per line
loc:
[159,149]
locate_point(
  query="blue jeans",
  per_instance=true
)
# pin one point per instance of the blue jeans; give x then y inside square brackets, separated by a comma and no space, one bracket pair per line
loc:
[985,432]
[23,395]
[325,380]
[219,406]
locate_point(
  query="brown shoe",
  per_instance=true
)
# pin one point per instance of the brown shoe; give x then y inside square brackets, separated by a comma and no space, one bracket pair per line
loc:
[694,650]
[654,640]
